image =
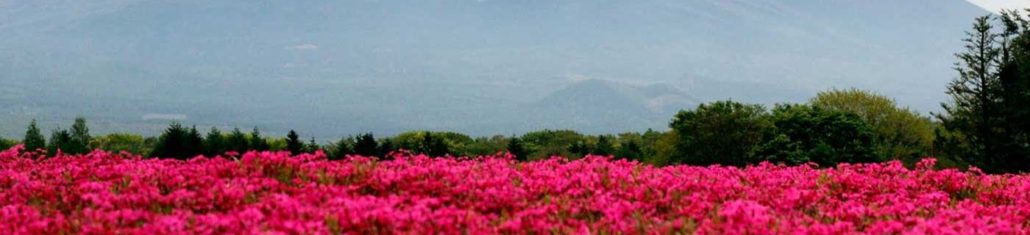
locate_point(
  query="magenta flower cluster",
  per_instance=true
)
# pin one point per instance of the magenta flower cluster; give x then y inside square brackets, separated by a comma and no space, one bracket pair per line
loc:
[275,193]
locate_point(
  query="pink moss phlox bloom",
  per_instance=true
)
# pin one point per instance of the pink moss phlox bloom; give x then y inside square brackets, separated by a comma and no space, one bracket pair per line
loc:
[276,193]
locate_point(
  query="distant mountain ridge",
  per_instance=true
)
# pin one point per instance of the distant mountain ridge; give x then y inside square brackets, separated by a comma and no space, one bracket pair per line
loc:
[332,68]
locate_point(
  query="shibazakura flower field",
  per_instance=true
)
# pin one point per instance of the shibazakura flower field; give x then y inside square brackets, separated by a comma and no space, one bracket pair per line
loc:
[273,192]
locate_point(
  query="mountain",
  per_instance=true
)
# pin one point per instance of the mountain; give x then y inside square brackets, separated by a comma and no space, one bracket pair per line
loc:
[331,68]
[588,104]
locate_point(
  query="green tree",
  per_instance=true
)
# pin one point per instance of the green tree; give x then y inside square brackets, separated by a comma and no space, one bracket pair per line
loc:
[434,146]
[603,146]
[973,121]
[214,143]
[237,141]
[257,142]
[629,149]
[481,146]
[805,133]
[386,146]
[80,137]
[516,148]
[1014,77]
[119,142]
[6,144]
[900,132]
[366,145]
[579,148]
[293,143]
[342,148]
[547,143]
[60,142]
[178,142]
[34,139]
[723,132]
[312,146]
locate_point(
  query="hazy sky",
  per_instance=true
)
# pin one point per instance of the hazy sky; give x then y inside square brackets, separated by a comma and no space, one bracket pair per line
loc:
[995,5]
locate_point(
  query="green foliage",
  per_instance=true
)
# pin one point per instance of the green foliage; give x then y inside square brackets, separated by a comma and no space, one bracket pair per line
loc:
[276,144]
[119,142]
[341,148]
[603,146]
[365,145]
[214,143]
[805,133]
[293,143]
[80,138]
[257,142]
[237,141]
[515,147]
[481,146]
[900,132]
[432,143]
[386,146]
[6,144]
[312,146]
[547,143]
[659,147]
[629,149]
[178,142]
[579,148]
[987,122]
[34,139]
[60,142]
[723,132]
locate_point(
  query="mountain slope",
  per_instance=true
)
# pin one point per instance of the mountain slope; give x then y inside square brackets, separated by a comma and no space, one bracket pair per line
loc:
[339,67]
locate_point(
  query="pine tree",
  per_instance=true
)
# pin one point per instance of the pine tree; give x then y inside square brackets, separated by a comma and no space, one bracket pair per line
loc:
[214,143]
[80,138]
[385,147]
[178,142]
[579,148]
[973,118]
[60,142]
[434,147]
[194,143]
[257,142]
[604,146]
[237,141]
[366,145]
[515,147]
[1014,75]
[293,143]
[629,150]
[312,146]
[34,140]
[341,149]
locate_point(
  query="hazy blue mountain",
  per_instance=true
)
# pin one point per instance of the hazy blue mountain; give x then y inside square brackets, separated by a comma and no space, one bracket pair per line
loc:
[330,68]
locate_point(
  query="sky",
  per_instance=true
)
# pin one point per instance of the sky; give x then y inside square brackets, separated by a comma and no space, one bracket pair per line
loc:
[996,5]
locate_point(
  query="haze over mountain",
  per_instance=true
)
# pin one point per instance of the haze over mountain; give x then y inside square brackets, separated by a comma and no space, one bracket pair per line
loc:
[483,67]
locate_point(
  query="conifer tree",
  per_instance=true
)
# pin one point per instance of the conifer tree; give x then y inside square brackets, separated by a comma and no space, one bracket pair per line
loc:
[341,148]
[604,146]
[257,142]
[515,147]
[60,142]
[366,145]
[312,146]
[973,119]
[34,140]
[237,141]
[80,137]
[293,143]
[214,143]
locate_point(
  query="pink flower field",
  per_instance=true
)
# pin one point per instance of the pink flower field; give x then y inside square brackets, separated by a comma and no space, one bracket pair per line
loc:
[274,193]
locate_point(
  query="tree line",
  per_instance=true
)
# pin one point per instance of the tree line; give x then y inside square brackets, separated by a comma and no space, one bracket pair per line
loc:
[985,124]
[836,126]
